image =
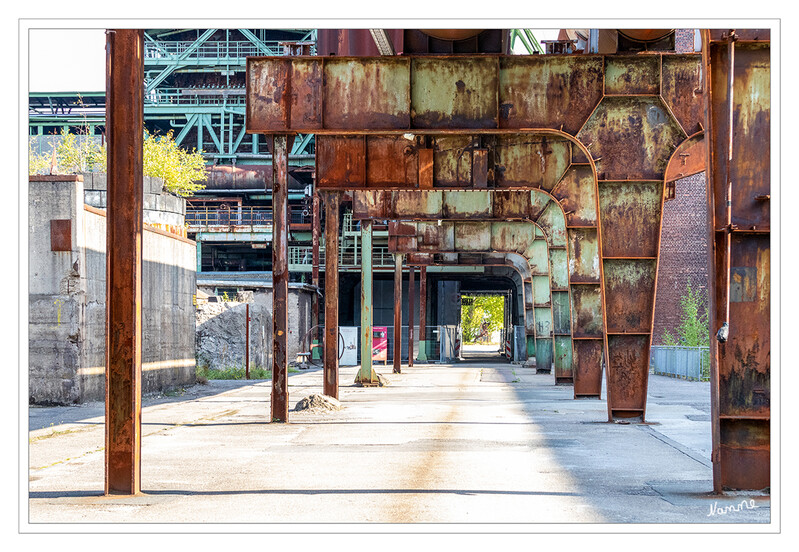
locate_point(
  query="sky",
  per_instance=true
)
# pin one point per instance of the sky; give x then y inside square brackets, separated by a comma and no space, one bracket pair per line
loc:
[73,60]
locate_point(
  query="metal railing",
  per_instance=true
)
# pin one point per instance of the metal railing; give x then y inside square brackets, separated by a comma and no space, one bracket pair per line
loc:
[691,363]
[244,216]
[229,96]
[348,257]
[211,49]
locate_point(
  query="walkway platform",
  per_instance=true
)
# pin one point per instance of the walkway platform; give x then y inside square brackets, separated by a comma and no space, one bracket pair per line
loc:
[494,446]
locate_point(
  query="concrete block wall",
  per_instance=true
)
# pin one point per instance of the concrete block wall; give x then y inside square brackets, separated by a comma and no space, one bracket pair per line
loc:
[67,301]
[683,253]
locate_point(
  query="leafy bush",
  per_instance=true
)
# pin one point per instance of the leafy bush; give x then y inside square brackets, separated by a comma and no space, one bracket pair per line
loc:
[182,172]
[693,330]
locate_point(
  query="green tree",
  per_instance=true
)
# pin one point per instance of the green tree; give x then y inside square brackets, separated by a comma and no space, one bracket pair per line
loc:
[477,310]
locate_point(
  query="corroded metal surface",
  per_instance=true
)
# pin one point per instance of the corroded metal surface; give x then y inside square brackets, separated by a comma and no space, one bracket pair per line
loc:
[561,124]
[61,235]
[397,368]
[634,137]
[366,374]
[550,91]
[688,159]
[631,213]
[628,75]
[682,91]
[454,92]
[124,227]
[280,281]
[737,77]
[629,295]
[587,364]
[330,380]
[628,369]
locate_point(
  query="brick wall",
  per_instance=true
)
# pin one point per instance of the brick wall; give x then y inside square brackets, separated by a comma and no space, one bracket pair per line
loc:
[684,41]
[683,253]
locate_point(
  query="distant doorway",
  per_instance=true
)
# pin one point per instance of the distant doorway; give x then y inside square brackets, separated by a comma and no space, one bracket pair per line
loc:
[483,327]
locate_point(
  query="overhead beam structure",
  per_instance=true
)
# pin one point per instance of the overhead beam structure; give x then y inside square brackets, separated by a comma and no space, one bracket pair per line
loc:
[492,122]
[536,206]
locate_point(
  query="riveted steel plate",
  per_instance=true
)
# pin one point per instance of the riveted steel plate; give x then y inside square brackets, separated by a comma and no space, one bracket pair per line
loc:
[576,193]
[391,162]
[454,92]
[629,295]
[549,91]
[587,367]
[367,93]
[633,135]
[627,75]
[682,90]
[631,214]
[551,220]
[583,255]
[531,160]
[628,367]
[586,310]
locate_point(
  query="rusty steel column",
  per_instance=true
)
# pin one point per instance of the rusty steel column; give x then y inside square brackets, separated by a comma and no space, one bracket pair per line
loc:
[315,230]
[411,270]
[397,313]
[124,227]
[737,72]
[330,385]
[280,280]
[422,357]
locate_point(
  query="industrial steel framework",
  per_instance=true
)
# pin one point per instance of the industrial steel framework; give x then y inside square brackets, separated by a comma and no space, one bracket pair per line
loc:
[493,122]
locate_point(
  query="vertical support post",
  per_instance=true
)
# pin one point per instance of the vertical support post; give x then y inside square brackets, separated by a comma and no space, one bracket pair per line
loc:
[315,230]
[330,386]
[246,341]
[397,313]
[422,314]
[125,130]
[366,374]
[411,270]
[280,279]
[200,124]
[199,255]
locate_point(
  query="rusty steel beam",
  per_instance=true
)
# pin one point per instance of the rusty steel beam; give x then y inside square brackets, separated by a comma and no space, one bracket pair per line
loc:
[280,279]
[125,134]
[332,204]
[411,290]
[315,232]
[326,94]
[397,313]
[737,72]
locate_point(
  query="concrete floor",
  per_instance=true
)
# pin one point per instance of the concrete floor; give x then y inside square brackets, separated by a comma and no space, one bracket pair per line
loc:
[466,443]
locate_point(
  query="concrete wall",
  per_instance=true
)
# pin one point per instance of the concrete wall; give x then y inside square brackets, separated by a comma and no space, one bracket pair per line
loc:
[221,329]
[159,207]
[67,301]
